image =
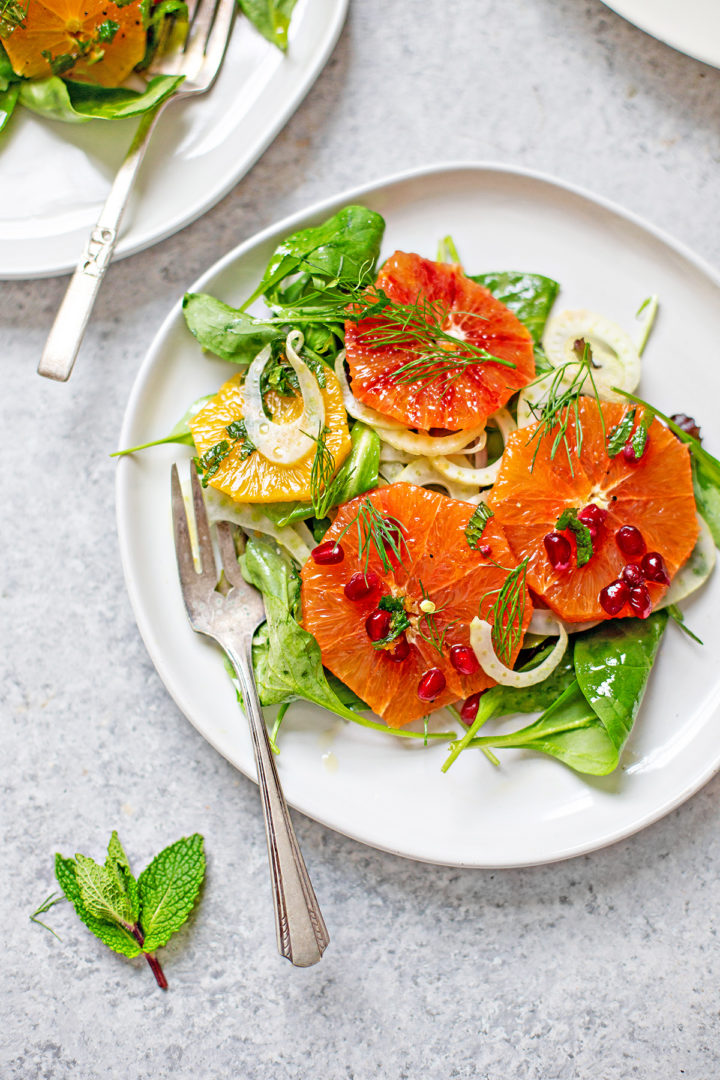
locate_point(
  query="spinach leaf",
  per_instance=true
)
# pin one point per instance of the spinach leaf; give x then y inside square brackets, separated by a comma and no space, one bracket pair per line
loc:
[588,725]
[75,102]
[179,434]
[225,331]
[270,17]
[707,496]
[358,473]
[7,74]
[529,296]
[343,248]
[8,101]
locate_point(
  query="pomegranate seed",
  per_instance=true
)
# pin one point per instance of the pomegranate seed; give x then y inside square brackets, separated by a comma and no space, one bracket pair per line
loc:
[469,709]
[401,650]
[558,550]
[640,601]
[630,540]
[654,568]
[377,624]
[687,424]
[632,574]
[592,529]
[431,684]
[361,585]
[592,515]
[485,550]
[464,660]
[614,597]
[629,452]
[328,553]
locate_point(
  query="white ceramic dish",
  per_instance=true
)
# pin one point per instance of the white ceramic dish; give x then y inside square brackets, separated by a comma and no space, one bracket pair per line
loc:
[198,153]
[692,27]
[381,790]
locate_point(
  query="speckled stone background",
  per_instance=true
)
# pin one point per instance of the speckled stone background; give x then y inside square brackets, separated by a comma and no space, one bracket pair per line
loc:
[604,967]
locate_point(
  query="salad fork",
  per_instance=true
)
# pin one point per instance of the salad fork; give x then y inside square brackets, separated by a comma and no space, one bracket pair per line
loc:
[199,62]
[231,619]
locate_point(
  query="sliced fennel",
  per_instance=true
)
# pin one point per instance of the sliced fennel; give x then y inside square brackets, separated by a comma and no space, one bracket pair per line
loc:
[695,571]
[482,646]
[422,472]
[295,539]
[547,624]
[284,444]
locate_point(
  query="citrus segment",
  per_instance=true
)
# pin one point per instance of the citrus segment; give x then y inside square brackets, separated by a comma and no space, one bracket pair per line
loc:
[653,494]
[438,566]
[87,40]
[250,477]
[470,318]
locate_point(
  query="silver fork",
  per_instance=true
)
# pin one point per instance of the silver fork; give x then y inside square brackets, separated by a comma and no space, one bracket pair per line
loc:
[199,61]
[231,620]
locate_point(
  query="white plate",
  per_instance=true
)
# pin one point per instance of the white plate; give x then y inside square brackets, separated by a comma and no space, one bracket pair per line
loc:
[54,177]
[692,27]
[384,791]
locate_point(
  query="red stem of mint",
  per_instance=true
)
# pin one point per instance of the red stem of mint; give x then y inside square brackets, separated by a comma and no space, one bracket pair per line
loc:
[152,960]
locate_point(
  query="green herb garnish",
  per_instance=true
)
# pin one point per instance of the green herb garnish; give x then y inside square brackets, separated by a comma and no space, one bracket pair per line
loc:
[399,623]
[560,408]
[583,538]
[133,916]
[677,616]
[12,16]
[476,525]
[321,475]
[619,435]
[375,531]
[49,902]
[508,612]
[107,30]
[432,633]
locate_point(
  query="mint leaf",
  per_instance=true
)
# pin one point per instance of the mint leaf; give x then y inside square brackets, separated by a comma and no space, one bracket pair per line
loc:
[619,435]
[476,525]
[168,889]
[101,893]
[112,935]
[118,867]
[583,538]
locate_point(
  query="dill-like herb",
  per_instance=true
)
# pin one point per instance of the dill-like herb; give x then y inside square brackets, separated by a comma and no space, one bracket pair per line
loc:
[12,16]
[375,531]
[560,409]
[323,470]
[49,902]
[434,636]
[508,612]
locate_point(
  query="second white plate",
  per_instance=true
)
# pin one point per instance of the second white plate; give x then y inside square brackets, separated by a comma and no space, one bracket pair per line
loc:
[692,27]
[54,177]
[377,788]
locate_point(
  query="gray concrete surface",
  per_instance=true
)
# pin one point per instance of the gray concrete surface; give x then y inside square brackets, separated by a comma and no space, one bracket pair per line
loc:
[604,967]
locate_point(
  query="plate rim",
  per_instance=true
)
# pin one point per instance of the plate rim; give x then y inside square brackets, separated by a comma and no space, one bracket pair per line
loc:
[127,247]
[145,371]
[623,9]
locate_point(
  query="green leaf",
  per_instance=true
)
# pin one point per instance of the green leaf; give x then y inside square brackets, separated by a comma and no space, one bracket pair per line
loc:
[7,75]
[102,894]
[619,435]
[118,867]
[612,665]
[225,331]
[476,525]
[707,496]
[583,538]
[112,935]
[180,433]
[529,296]
[74,102]
[270,17]
[8,100]
[168,889]
[343,248]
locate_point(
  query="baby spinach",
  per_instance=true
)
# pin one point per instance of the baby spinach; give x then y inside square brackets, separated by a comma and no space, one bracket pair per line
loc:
[225,331]
[270,17]
[343,248]
[62,99]
[8,100]
[180,433]
[588,725]
[529,296]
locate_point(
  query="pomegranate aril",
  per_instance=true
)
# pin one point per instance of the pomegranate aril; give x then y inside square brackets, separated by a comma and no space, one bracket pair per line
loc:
[629,454]
[630,540]
[464,660]
[469,708]
[614,597]
[400,652]
[632,574]
[361,585]
[485,550]
[640,602]
[377,624]
[328,553]
[431,685]
[654,568]
[558,550]
[592,515]
[686,423]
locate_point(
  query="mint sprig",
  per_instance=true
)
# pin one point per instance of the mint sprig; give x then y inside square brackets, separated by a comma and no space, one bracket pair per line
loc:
[135,916]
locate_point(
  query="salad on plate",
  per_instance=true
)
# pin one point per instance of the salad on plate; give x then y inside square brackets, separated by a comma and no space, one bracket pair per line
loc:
[78,60]
[457,507]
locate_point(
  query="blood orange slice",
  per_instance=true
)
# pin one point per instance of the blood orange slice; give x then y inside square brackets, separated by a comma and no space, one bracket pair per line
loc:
[654,495]
[450,382]
[88,40]
[438,566]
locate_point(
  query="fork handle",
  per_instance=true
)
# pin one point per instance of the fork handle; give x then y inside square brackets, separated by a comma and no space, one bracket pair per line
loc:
[68,330]
[302,936]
